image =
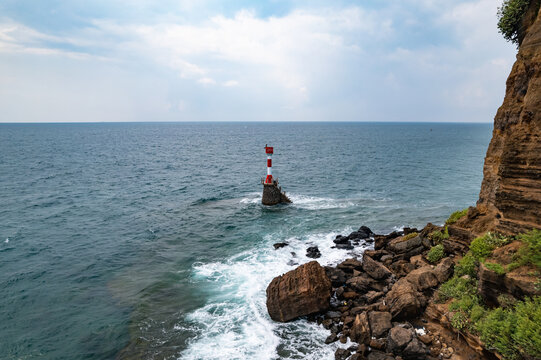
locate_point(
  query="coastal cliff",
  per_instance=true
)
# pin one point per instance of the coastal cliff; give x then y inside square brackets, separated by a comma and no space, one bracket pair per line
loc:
[510,197]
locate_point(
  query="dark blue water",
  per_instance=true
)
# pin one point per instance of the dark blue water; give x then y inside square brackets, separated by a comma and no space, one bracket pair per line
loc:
[148,240]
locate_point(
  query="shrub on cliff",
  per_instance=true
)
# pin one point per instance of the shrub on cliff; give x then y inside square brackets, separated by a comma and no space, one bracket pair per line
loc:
[466,266]
[457,215]
[530,253]
[437,236]
[510,16]
[483,246]
[435,253]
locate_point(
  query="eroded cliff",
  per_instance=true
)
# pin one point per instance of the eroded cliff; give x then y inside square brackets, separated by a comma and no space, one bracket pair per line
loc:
[510,197]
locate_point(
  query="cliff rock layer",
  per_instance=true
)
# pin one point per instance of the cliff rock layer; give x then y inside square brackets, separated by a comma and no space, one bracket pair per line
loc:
[510,197]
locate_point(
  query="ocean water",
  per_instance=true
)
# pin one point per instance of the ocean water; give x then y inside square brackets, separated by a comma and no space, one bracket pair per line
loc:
[148,241]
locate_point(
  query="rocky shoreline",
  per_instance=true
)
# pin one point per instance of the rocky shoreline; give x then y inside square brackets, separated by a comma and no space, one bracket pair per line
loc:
[387,301]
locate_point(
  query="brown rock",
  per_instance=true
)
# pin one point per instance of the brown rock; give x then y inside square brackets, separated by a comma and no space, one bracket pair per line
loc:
[360,330]
[444,269]
[418,261]
[404,300]
[375,269]
[401,245]
[398,339]
[373,296]
[415,350]
[349,265]
[379,355]
[380,322]
[299,292]
[423,278]
[361,283]
[378,344]
[425,339]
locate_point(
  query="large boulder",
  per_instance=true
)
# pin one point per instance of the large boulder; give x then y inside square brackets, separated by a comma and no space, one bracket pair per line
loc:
[404,300]
[423,278]
[380,322]
[444,269]
[375,269]
[403,245]
[360,330]
[398,339]
[299,292]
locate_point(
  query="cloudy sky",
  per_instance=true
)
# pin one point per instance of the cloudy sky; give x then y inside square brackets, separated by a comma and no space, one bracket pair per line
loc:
[235,60]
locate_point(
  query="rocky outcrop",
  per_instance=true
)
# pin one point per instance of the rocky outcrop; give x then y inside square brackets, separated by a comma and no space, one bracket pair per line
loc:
[299,292]
[273,194]
[510,196]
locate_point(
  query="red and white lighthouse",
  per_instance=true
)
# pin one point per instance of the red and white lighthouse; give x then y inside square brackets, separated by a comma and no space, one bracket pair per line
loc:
[269,151]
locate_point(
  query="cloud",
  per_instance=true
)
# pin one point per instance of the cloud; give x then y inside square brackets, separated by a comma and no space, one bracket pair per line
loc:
[387,61]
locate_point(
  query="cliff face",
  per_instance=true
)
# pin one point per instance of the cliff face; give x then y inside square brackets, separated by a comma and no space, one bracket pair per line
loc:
[510,197]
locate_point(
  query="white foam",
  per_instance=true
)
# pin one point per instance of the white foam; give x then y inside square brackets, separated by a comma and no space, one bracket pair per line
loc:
[319,203]
[7,240]
[252,198]
[235,324]
[420,331]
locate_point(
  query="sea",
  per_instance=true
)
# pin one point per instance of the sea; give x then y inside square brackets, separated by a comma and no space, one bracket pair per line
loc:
[149,240]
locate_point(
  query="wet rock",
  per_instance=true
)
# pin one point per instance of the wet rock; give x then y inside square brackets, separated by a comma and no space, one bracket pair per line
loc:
[337,276]
[331,338]
[333,314]
[375,269]
[346,246]
[313,252]
[364,232]
[341,354]
[380,322]
[341,239]
[280,245]
[398,339]
[360,330]
[404,300]
[302,291]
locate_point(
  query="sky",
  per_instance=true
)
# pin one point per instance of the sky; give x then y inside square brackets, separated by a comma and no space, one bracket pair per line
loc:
[237,60]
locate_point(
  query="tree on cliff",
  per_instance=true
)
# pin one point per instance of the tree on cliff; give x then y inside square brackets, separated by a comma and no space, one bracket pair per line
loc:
[510,16]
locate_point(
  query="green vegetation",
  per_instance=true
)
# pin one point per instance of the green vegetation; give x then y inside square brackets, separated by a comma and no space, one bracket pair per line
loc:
[497,268]
[483,246]
[510,16]
[495,330]
[435,253]
[527,333]
[457,287]
[410,235]
[530,253]
[506,301]
[438,236]
[456,216]
[466,266]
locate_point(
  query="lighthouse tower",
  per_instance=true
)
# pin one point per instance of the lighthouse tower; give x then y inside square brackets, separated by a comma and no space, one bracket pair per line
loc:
[269,151]
[272,192]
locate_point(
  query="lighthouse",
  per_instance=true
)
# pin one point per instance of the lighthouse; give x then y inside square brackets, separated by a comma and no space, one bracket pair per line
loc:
[272,192]
[269,151]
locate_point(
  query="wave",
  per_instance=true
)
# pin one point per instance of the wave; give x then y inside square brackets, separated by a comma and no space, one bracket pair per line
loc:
[235,325]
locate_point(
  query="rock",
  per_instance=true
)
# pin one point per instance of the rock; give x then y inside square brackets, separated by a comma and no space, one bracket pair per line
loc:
[361,283]
[333,314]
[402,245]
[398,339]
[423,278]
[375,269]
[280,245]
[415,350]
[444,270]
[341,354]
[313,252]
[331,338]
[364,232]
[349,265]
[378,344]
[380,322]
[273,194]
[360,330]
[373,296]
[404,300]
[346,246]
[425,339]
[379,355]
[356,357]
[418,261]
[299,292]
[337,276]
[375,254]
[341,239]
